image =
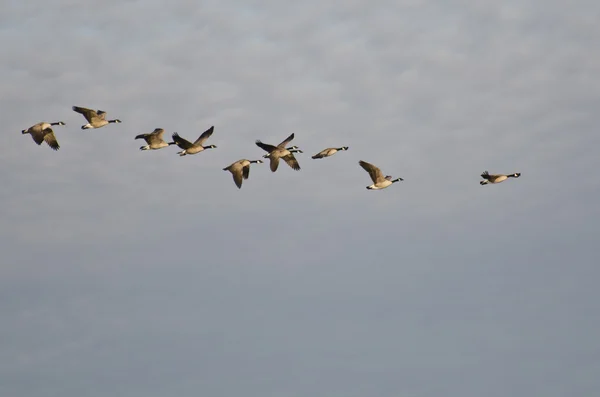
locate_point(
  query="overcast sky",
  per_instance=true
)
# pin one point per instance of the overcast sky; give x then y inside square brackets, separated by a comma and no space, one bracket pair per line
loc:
[133,273]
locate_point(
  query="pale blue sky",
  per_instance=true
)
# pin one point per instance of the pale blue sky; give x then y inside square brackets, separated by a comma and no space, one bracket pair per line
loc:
[129,273]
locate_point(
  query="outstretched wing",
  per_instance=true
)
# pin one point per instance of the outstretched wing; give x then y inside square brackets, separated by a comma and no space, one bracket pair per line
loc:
[265,146]
[274,163]
[374,172]
[155,136]
[101,114]
[37,135]
[291,161]
[246,171]
[141,136]
[182,143]
[287,140]
[89,114]
[485,175]
[51,139]
[237,177]
[205,135]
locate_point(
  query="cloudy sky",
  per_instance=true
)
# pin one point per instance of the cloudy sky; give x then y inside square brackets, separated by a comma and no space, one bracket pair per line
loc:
[141,273]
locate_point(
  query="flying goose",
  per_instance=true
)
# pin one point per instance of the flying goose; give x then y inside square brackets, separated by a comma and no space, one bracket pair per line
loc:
[95,118]
[280,151]
[497,178]
[379,181]
[294,148]
[328,152]
[42,131]
[196,147]
[241,170]
[154,140]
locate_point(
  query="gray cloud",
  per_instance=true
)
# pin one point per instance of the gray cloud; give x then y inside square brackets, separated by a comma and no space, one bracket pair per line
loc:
[142,273]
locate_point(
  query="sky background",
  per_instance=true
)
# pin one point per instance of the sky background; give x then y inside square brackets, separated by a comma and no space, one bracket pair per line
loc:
[127,273]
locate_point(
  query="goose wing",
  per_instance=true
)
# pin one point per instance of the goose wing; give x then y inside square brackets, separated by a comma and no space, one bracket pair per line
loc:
[237,176]
[287,140]
[51,139]
[143,136]
[37,135]
[265,146]
[274,163]
[291,161]
[89,114]
[182,143]
[159,132]
[374,172]
[155,136]
[205,135]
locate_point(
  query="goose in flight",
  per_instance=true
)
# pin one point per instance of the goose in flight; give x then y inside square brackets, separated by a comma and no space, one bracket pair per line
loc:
[154,140]
[379,181]
[42,132]
[329,152]
[95,118]
[295,149]
[196,147]
[496,178]
[241,170]
[281,152]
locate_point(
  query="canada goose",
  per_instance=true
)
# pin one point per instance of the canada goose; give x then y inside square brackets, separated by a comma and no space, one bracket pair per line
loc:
[241,169]
[328,152]
[280,151]
[294,148]
[43,132]
[154,140]
[196,147]
[379,181]
[95,118]
[497,178]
